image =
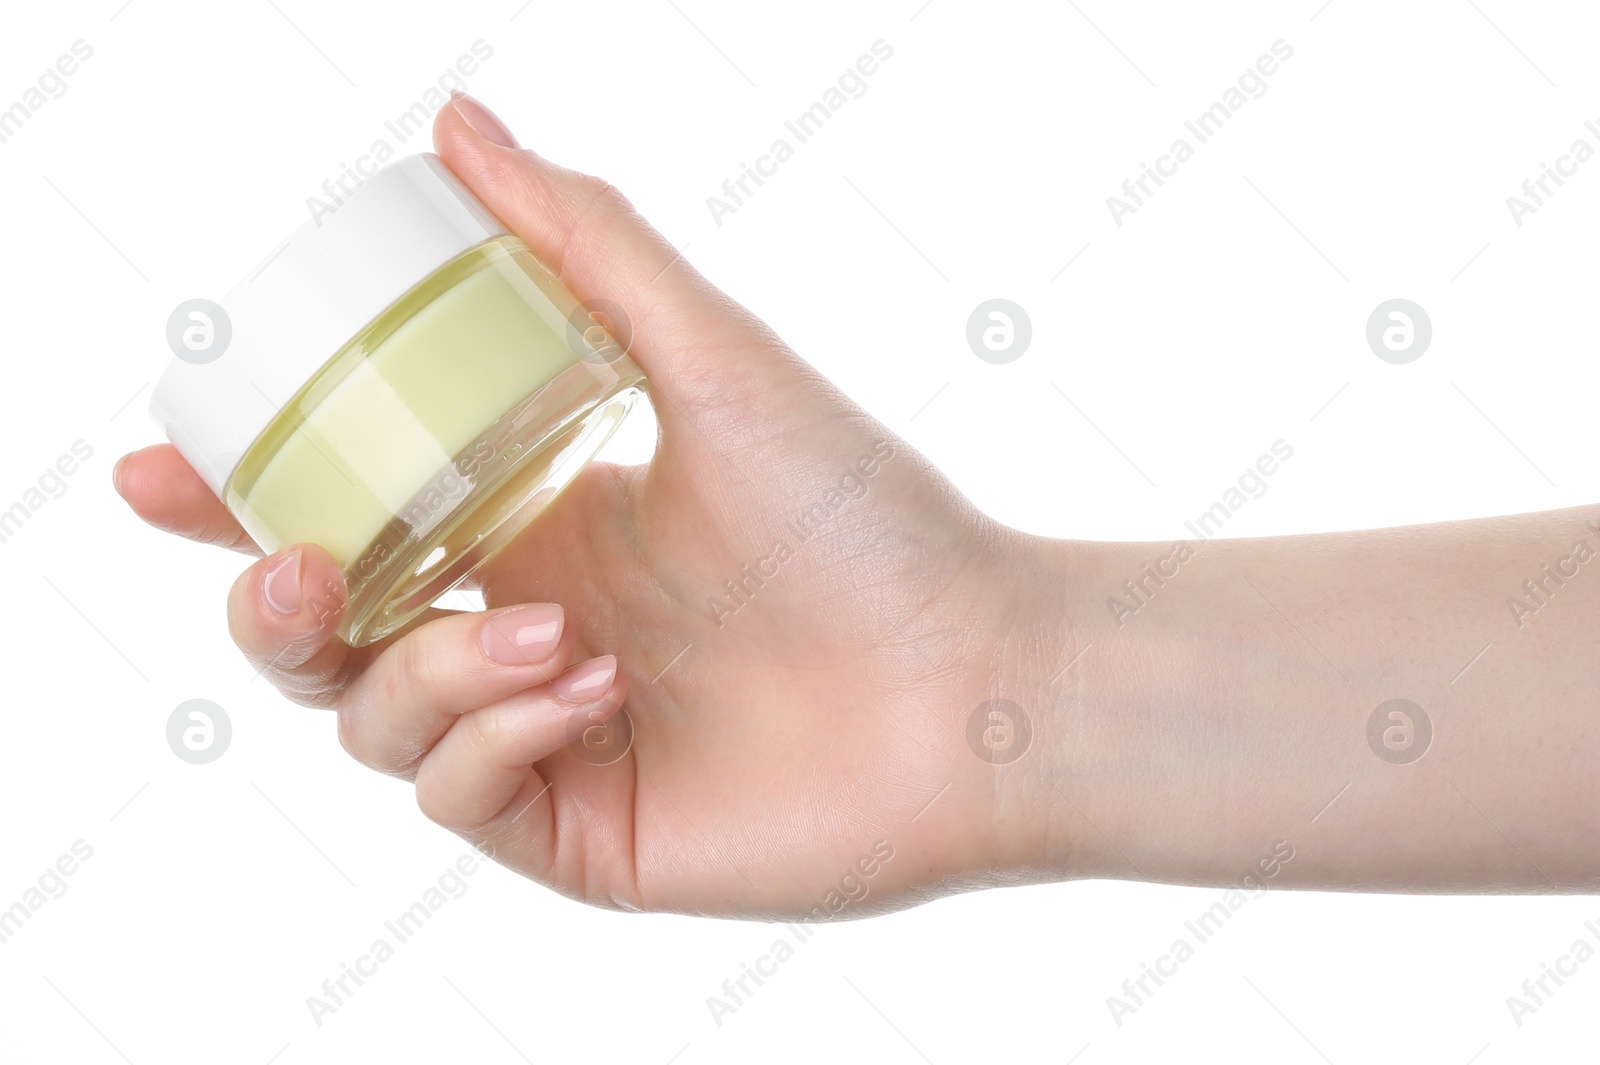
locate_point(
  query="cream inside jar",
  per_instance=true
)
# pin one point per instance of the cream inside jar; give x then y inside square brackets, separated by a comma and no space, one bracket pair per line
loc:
[465,387]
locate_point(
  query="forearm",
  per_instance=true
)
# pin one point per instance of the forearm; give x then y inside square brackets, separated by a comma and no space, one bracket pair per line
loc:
[1218,717]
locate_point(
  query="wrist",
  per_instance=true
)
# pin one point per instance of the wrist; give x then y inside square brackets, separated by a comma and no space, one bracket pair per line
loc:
[1033,730]
[1110,702]
[1180,717]
[1069,724]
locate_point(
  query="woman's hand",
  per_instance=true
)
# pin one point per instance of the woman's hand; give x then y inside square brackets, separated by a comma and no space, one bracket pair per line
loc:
[797,613]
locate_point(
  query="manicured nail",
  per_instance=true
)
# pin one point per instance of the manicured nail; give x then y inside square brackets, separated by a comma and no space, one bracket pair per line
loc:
[483,120]
[587,681]
[524,635]
[280,587]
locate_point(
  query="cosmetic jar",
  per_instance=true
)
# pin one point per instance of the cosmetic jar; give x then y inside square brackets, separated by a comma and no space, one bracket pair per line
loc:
[401,382]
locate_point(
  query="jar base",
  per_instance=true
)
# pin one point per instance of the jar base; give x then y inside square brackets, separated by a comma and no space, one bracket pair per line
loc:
[531,459]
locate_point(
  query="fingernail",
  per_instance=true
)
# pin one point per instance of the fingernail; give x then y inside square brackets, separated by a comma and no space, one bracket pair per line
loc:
[587,681]
[483,120]
[116,474]
[280,586]
[524,635]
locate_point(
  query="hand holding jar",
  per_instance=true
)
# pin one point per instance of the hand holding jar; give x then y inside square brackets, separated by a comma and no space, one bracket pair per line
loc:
[785,669]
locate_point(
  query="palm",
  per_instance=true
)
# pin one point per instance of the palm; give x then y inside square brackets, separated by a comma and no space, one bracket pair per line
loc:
[780,726]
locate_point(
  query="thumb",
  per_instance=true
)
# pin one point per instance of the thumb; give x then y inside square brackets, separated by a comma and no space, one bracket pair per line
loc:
[704,354]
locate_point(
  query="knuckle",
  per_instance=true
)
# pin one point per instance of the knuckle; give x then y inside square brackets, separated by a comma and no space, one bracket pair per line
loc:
[592,187]
[414,672]
[433,800]
[600,198]
[486,731]
[317,699]
[368,743]
[439,797]
[349,734]
[355,736]
[406,761]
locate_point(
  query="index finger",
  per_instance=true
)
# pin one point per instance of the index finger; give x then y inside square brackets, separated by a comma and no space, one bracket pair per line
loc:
[163,489]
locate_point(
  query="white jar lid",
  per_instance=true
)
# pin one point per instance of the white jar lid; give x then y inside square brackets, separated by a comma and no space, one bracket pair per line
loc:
[306,300]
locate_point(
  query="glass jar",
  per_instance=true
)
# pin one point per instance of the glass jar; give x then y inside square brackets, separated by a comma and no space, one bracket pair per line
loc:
[402,383]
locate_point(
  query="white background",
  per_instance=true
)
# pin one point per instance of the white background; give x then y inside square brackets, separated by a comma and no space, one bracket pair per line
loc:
[1228,312]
